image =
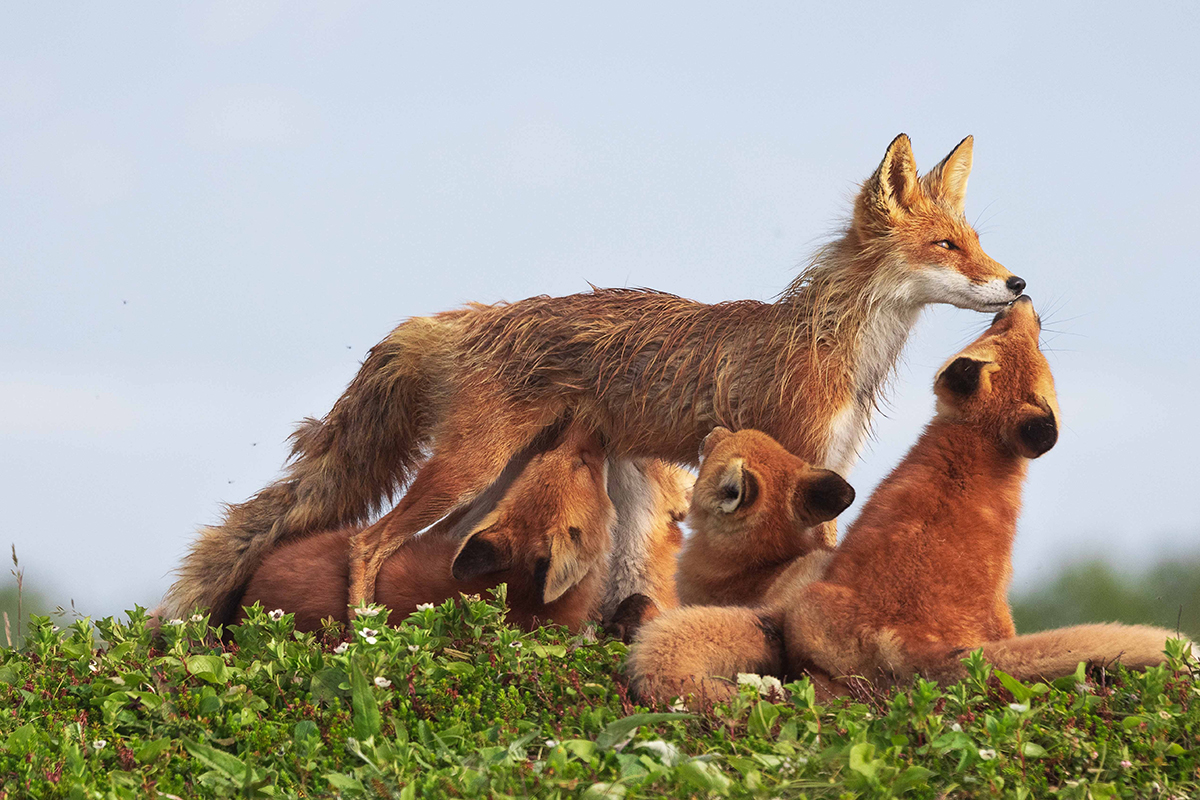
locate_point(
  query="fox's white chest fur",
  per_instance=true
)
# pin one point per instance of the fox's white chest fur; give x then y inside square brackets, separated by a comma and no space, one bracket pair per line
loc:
[880,342]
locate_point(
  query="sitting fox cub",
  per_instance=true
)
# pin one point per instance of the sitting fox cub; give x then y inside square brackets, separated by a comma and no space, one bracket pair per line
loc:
[756,512]
[548,538]
[922,576]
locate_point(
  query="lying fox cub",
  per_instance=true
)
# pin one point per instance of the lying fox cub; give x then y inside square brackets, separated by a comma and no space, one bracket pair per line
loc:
[922,576]
[547,538]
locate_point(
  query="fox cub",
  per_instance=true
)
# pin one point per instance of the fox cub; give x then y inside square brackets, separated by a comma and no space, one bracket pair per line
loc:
[755,515]
[548,538]
[922,576]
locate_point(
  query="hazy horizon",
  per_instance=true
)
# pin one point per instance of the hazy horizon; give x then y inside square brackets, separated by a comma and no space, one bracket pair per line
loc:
[208,214]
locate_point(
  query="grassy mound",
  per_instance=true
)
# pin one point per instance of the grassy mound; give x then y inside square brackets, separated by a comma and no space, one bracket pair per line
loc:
[453,703]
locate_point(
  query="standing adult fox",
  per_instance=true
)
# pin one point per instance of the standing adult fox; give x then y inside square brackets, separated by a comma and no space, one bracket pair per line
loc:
[654,373]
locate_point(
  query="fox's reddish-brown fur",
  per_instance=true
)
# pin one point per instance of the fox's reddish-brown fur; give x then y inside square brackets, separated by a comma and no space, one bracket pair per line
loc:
[475,387]
[548,539]
[922,576]
[755,517]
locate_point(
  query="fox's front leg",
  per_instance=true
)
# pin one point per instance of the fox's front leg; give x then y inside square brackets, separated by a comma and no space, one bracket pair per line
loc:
[696,653]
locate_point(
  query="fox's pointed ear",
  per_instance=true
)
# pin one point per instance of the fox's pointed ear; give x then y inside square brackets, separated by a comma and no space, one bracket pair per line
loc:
[714,438]
[947,182]
[963,377]
[895,185]
[565,568]
[823,498]
[483,552]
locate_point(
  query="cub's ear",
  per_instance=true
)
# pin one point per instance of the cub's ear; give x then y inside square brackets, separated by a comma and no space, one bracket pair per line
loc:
[947,182]
[714,438]
[484,551]
[736,488]
[822,498]
[894,186]
[565,567]
[961,377]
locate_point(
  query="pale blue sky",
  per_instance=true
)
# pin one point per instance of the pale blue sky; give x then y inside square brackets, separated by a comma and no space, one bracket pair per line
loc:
[209,212]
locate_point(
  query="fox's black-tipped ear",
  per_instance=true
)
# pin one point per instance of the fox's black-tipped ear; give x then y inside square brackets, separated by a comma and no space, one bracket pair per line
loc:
[714,438]
[961,376]
[823,498]
[947,182]
[895,185]
[481,554]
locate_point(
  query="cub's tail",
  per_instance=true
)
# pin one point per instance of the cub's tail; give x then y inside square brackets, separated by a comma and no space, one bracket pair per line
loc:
[342,469]
[1056,653]
[696,652]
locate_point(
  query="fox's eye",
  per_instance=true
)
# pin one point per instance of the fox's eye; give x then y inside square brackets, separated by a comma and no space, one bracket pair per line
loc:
[946,243]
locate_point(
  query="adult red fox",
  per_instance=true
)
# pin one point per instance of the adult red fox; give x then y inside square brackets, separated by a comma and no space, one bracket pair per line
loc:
[547,538]
[448,401]
[922,575]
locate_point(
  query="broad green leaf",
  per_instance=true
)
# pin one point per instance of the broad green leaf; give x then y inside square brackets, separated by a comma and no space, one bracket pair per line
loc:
[364,704]
[1020,691]
[862,760]
[704,776]
[604,791]
[1033,750]
[207,668]
[152,750]
[18,741]
[619,730]
[910,778]
[227,764]
[325,686]
[762,718]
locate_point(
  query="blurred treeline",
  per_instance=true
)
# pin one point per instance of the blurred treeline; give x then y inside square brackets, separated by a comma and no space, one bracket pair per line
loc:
[1167,594]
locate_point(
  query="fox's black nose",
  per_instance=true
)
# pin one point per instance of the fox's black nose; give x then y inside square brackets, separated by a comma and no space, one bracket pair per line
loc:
[1015,285]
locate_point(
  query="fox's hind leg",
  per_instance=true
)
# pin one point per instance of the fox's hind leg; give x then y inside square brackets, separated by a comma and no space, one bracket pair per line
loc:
[471,450]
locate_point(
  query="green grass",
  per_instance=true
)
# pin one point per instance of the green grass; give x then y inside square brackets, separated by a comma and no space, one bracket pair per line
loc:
[454,703]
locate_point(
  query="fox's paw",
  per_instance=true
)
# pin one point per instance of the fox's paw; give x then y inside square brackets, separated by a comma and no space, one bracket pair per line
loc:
[633,612]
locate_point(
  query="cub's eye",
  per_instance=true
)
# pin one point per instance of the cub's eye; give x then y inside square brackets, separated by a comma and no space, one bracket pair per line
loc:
[946,244]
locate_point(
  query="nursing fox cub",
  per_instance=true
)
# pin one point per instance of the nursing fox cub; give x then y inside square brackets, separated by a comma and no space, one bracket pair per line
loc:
[444,404]
[922,576]
[548,538]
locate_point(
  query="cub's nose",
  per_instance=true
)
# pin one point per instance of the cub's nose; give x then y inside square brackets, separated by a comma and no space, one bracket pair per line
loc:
[1015,285]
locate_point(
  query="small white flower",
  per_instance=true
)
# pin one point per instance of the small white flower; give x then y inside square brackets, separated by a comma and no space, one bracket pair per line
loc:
[1020,708]
[175,622]
[956,727]
[515,645]
[368,611]
[1083,688]
[1165,714]
[368,632]
[341,648]
[93,666]
[474,598]
[276,615]
[987,754]
[197,617]
[750,679]
[382,682]
[54,628]
[678,705]
[1126,764]
[424,606]
[412,648]
[769,685]
[370,640]
[552,743]
[99,744]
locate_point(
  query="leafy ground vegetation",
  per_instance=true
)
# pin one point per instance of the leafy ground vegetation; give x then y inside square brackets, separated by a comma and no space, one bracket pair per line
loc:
[453,703]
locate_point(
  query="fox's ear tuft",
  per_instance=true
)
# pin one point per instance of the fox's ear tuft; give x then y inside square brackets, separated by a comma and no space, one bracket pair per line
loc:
[895,185]
[961,377]
[714,438]
[481,554]
[947,182]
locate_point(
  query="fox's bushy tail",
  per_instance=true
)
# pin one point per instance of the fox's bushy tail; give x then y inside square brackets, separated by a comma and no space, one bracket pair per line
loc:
[342,469]
[1056,653]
